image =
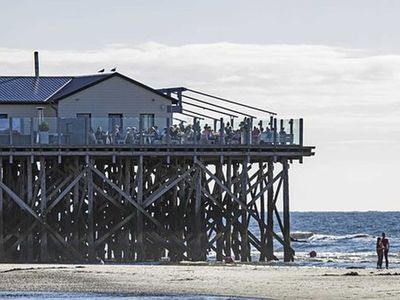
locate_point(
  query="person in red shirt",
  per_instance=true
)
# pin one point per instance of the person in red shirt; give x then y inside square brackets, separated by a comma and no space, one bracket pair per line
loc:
[385,243]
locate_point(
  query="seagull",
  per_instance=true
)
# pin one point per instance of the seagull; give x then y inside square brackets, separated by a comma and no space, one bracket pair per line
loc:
[100,71]
[113,69]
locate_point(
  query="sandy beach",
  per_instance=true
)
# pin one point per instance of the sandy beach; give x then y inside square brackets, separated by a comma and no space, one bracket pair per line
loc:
[248,280]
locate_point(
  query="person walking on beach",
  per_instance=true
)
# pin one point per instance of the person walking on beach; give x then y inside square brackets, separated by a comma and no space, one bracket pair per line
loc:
[379,252]
[385,242]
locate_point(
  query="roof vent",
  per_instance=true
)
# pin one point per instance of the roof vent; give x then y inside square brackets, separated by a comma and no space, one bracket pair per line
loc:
[36,58]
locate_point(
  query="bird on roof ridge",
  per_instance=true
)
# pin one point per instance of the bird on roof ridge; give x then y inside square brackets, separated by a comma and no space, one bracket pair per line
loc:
[100,71]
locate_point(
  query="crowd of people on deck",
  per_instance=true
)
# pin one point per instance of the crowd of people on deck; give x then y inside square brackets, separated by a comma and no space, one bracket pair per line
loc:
[192,133]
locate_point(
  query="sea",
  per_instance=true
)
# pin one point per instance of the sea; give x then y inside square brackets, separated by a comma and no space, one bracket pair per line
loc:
[342,239]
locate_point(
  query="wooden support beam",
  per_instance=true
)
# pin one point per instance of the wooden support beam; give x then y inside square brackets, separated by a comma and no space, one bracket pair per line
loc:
[44,254]
[197,251]
[67,189]
[29,189]
[166,187]
[73,253]
[139,217]
[227,214]
[91,229]
[288,252]
[244,243]
[270,214]
[76,207]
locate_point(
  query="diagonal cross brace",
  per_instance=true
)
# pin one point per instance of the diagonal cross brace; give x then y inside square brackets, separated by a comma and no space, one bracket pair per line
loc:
[242,205]
[166,187]
[25,207]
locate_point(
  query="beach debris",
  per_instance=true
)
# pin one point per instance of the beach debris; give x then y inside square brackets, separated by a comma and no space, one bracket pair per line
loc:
[351,274]
[313,254]
[388,274]
[229,260]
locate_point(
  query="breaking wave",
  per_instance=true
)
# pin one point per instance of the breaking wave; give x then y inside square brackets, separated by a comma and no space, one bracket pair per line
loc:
[311,236]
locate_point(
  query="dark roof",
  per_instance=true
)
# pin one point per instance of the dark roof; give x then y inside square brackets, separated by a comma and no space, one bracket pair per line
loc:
[30,89]
[46,89]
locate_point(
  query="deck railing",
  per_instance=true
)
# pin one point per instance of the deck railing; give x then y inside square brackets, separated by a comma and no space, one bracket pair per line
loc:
[27,132]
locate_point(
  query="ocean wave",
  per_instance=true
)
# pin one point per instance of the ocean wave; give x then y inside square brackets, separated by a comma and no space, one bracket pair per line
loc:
[318,237]
[301,235]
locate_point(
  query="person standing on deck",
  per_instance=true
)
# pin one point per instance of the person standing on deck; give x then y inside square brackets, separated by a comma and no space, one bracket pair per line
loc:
[385,242]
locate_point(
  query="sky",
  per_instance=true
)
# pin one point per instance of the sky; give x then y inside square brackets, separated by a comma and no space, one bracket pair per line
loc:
[334,63]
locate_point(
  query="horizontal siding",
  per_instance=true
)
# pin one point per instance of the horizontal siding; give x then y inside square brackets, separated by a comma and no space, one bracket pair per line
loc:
[114,95]
[25,110]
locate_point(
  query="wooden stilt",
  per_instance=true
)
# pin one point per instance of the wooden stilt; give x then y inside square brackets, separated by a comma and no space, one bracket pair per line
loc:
[139,223]
[44,255]
[29,188]
[228,208]
[197,247]
[245,249]
[288,252]
[270,213]
[91,229]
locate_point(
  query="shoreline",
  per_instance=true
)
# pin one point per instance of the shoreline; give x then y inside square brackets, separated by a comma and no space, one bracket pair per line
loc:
[246,280]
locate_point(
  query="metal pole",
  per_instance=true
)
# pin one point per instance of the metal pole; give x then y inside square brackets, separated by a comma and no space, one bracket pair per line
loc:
[301,132]
[168,140]
[222,132]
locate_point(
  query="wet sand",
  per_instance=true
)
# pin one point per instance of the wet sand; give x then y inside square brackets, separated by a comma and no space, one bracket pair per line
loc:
[253,280]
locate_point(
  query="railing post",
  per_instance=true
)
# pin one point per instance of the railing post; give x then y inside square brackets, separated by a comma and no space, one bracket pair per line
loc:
[10,125]
[250,130]
[301,132]
[195,129]
[167,131]
[31,131]
[222,132]
[291,131]
[87,131]
[140,130]
[58,131]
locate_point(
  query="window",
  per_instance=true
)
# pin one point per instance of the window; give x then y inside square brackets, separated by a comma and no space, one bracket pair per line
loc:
[86,121]
[113,121]
[147,121]
[4,122]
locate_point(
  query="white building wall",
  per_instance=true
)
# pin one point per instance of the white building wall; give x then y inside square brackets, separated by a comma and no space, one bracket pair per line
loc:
[115,96]
[26,110]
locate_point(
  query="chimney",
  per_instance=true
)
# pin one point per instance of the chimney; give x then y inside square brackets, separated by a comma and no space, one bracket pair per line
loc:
[36,58]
